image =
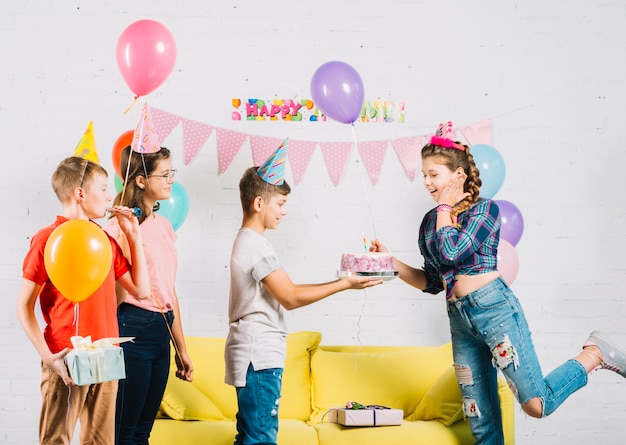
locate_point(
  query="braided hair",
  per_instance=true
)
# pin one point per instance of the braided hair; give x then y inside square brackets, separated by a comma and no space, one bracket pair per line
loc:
[454,157]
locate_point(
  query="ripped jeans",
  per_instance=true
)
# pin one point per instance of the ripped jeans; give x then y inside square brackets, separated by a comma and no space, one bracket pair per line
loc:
[490,333]
[257,418]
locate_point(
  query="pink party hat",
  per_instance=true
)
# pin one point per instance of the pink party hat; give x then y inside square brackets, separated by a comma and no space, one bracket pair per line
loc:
[145,139]
[273,170]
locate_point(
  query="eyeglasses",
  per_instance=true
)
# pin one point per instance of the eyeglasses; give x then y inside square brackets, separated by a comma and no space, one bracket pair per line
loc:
[169,176]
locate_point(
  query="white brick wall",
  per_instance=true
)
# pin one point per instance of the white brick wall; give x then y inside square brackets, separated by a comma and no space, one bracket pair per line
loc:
[551,74]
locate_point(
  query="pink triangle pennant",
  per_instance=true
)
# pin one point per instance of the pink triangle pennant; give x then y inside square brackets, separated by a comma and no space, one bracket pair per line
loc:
[164,122]
[335,156]
[299,156]
[408,152]
[228,145]
[478,132]
[372,154]
[262,147]
[194,135]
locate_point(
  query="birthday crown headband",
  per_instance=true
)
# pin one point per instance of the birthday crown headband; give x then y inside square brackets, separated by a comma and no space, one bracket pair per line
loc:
[440,139]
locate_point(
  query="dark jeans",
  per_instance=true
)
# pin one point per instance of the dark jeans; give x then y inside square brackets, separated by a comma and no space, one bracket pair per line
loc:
[147,362]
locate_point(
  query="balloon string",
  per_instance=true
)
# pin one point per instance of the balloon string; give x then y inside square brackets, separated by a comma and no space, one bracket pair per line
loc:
[369,207]
[176,350]
[126,177]
[76,317]
[367,198]
[132,104]
[131,153]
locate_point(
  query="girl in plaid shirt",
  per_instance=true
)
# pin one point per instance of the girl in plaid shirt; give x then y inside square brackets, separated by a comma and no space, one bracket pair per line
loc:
[459,242]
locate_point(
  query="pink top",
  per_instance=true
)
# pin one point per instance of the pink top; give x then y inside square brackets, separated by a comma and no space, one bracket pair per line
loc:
[161,257]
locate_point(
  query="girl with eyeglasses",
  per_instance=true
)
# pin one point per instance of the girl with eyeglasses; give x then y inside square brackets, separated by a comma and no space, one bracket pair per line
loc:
[155,320]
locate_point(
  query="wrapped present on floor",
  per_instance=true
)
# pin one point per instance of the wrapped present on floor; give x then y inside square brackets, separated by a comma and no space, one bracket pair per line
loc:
[96,362]
[356,414]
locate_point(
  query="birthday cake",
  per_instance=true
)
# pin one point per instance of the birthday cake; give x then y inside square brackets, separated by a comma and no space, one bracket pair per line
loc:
[371,262]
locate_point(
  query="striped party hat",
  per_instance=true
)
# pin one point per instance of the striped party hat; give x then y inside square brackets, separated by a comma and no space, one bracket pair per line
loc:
[273,170]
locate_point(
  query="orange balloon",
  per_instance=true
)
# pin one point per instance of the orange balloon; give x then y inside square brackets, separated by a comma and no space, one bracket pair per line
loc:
[78,258]
[123,141]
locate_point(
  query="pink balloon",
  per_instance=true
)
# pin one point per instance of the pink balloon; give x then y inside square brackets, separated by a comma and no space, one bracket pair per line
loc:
[508,262]
[337,90]
[145,54]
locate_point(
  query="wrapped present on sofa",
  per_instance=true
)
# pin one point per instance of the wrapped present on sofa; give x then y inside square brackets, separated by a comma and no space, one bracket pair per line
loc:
[96,362]
[355,414]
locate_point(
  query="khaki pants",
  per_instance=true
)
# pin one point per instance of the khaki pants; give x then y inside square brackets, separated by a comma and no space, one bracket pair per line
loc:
[61,407]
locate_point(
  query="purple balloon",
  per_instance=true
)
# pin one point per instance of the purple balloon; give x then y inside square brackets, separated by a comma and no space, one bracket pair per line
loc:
[337,90]
[511,222]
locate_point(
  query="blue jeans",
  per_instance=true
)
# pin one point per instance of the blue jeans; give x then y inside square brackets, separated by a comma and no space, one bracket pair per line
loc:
[490,333]
[147,363]
[257,418]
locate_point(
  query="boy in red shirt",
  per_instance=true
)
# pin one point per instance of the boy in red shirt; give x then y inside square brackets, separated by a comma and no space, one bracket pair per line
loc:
[82,188]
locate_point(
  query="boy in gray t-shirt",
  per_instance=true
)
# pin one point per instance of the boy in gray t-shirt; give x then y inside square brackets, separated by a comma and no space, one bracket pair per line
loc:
[260,290]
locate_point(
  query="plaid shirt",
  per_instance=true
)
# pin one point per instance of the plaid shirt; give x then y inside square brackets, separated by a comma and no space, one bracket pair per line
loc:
[469,250]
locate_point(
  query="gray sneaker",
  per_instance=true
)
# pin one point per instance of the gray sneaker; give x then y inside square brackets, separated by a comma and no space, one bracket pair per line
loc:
[613,359]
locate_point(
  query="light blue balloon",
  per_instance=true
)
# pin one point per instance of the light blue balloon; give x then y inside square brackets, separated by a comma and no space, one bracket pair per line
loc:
[492,169]
[176,208]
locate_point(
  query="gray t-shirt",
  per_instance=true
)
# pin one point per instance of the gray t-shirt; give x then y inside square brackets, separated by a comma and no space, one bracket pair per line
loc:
[257,331]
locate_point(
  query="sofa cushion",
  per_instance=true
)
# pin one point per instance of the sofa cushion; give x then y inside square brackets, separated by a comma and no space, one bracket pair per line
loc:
[442,401]
[183,401]
[207,355]
[295,402]
[397,379]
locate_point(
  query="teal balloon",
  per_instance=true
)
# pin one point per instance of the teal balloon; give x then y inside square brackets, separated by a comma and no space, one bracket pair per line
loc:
[492,169]
[176,208]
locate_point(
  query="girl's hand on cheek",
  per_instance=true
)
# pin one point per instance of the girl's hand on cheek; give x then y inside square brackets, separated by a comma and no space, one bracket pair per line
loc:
[453,192]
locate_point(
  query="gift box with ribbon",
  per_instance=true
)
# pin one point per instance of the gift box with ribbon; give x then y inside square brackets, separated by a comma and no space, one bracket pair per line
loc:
[368,415]
[94,362]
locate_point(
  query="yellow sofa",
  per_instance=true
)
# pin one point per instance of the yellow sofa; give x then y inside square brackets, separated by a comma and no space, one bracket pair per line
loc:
[317,379]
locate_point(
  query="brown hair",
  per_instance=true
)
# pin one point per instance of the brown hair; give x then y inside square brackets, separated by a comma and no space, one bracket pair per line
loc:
[454,158]
[141,164]
[74,172]
[251,185]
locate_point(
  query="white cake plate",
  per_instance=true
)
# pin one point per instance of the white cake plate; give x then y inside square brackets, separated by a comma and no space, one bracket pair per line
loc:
[384,275]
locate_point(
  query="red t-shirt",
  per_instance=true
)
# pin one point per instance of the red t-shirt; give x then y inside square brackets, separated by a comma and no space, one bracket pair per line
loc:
[96,316]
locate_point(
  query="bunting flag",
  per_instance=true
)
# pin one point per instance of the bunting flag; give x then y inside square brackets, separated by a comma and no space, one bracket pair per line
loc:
[86,147]
[228,145]
[408,152]
[477,133]
[164,122]
[372,154]
[195,135]
[335,156]
[299,156]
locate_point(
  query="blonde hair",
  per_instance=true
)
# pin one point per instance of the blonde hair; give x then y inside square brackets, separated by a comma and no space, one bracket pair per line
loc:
[74,172]
[454,158]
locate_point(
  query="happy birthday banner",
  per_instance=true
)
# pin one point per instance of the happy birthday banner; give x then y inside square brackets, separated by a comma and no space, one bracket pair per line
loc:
[335,154]
[386,111]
